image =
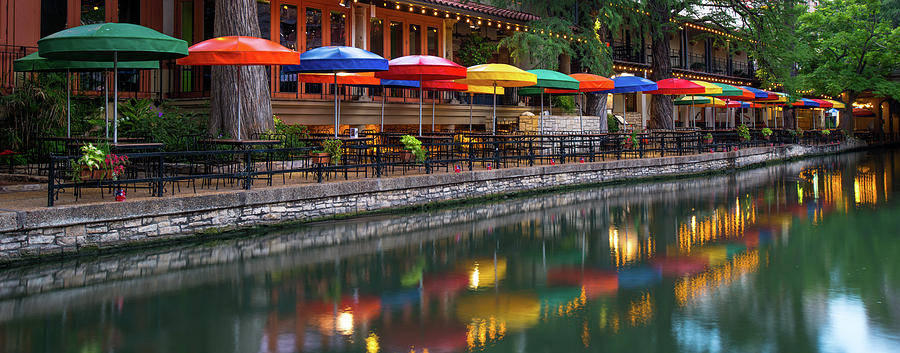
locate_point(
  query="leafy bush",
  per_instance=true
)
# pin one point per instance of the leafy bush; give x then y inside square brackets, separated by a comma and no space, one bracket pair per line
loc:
[743,132]
[413,145]
[635,142]
[475,50]
[333,148]
[766,131]
[564,103]
[708,136]
[166,124]
[826,132]
[612,123]
[36,108]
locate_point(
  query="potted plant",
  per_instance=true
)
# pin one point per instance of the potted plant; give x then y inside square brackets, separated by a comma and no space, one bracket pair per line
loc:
[708,138]
[333,148]
[766,133]
[412,147]
[631,141]
[91,165]
[319,157]
[743,132]
[826,132]
[115,165]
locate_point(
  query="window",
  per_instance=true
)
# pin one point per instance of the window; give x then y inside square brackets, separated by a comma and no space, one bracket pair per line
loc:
[313,28]
[93,11]
[338,28]
[209,19]
[396,39]
[130,11]
[376,36]
[187,21]
[415,40]
[432,39]
[288,38]
[264,17]
[53,16]
[288,25]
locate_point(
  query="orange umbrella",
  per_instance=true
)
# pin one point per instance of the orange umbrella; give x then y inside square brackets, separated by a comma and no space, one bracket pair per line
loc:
[343,78]
[239,51]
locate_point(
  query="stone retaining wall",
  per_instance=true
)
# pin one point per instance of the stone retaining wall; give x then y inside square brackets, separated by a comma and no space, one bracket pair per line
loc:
[70,229]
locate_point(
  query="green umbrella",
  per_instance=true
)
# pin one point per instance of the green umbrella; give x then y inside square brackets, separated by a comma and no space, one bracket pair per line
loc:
[548,79]
[35,63]
[111,42]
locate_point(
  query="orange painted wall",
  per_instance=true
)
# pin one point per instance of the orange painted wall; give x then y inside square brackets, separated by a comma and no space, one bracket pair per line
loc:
[21,22]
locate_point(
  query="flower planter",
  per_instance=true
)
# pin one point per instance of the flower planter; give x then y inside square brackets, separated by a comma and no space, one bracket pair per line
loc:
[628,144]
[407,156]
[708,141]
[320,158]
[766,137]
[99,174]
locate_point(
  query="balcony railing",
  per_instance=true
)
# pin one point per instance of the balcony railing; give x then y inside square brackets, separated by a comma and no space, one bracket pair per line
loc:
[8,54]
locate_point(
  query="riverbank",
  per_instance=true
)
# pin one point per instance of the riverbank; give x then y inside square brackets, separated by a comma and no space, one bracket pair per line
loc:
[68,230]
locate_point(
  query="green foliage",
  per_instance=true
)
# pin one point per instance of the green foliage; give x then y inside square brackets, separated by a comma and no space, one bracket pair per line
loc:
[166,124]
[36,108]
[301,131]
[92,157]
[743,132]
[612,123]
[475,50]
[766,131]
[708,136]
[334,150]
[635,142]
[856,47]
[564,103]
[826,132]
[541,50]
[412,144]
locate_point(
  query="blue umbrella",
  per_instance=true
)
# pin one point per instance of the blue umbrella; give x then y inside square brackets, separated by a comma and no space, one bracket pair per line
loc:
[391,84]
[628,84]
[337,59]
[756,92]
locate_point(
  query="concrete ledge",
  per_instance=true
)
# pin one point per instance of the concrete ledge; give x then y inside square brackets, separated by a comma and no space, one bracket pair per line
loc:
[67,229]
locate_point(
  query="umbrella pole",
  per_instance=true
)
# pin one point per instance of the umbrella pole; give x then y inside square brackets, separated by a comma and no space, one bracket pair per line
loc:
[106,100]
[432,113]
[581,114]
[382,108]
[541,117]
[691,113]
[421,92]
[471,98]
[336,127]
[115,97]
[239,99]
[494,120]
[68,105]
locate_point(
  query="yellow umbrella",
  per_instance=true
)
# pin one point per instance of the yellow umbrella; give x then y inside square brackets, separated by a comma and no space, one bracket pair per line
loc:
[514,311]
[498,75]
[835,104]
[715,103]
[479,90]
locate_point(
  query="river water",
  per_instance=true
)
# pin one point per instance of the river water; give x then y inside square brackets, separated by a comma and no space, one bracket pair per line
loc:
[797,257]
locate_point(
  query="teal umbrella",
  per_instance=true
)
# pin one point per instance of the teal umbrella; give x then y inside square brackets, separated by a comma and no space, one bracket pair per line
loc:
[35,63]
[111,42]
[552,80]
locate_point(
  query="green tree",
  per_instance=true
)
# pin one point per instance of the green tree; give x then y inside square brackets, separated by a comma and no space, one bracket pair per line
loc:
[475,50]
[855,46]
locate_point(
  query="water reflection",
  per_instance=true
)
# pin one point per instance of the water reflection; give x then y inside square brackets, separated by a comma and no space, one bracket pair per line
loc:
[794,257]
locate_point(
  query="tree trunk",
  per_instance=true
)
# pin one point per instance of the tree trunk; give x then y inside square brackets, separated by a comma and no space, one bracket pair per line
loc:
[661,105]
[879,120]
[847,116]
[596,106]
[789,118]
[238,17]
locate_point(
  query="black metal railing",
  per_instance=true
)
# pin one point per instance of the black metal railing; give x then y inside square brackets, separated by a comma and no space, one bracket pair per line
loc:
[381,154]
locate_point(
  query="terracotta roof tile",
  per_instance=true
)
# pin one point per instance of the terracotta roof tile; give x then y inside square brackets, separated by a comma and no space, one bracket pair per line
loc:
[484,9]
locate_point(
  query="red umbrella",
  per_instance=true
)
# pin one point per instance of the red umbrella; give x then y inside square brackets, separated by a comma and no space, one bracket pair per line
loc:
[442,85]
[239,51]
[677,86]
[823,103]
[422,68]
